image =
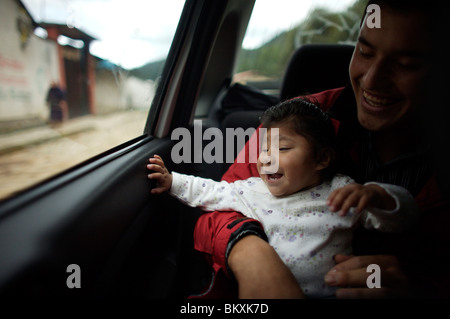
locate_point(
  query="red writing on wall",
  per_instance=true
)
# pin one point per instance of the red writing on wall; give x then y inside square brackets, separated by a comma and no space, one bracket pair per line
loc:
[10,63]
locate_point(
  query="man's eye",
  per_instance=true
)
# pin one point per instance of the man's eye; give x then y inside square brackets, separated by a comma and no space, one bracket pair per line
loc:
[285,148]
[364,53]
[408,65]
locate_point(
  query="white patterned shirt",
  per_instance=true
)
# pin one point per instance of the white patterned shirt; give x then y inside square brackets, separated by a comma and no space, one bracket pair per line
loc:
[300,227]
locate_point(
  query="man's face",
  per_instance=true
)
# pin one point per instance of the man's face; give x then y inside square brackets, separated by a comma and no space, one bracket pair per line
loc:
[389,70]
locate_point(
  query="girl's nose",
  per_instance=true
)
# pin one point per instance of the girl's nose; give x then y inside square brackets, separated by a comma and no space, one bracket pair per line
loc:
[265,158]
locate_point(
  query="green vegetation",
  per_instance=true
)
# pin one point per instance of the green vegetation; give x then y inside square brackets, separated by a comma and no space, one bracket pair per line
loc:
[149,71]
[321,26]
[270,59]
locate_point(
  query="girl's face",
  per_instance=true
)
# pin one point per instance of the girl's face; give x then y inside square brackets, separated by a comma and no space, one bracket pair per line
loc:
[297,168]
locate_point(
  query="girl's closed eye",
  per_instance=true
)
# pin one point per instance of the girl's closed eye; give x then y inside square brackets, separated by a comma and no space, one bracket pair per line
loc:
[285,147]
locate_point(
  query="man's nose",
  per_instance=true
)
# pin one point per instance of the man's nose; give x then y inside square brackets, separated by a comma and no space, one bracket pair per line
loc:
[378,75]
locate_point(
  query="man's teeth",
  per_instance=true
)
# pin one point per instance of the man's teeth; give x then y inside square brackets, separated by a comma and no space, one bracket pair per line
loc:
[376,101]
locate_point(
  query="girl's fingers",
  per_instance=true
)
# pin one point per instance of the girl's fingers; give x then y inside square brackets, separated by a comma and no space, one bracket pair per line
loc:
[332,202]
[330,198]
[155,157]
[337,198]
[156,176]
[351,201]
[157,191]
[157,160]
[159,173]
[349,196]
[157,168]
[363,203]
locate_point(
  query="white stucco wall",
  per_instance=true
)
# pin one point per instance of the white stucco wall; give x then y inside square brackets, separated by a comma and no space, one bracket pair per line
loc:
[26,71]
[137,93]
[115,91]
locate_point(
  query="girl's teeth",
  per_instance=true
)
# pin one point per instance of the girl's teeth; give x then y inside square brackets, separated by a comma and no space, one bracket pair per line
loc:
[274,176]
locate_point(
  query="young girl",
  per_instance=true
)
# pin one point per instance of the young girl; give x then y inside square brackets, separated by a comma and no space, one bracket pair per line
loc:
[305,208]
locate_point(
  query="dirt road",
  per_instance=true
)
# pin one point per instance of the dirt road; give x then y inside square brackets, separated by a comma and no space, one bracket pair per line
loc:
[22,168]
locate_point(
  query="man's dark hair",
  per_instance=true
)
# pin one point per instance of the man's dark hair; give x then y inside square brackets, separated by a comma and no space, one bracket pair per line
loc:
[306,119]
[404,5]
[435,9]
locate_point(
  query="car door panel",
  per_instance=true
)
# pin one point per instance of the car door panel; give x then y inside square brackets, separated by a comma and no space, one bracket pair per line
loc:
[86,222]
[104,219]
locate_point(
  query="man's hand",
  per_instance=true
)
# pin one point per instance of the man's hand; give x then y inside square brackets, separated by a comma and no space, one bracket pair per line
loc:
[351,272]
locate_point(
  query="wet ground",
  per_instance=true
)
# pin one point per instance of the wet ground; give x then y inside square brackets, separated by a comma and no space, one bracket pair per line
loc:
[30,156]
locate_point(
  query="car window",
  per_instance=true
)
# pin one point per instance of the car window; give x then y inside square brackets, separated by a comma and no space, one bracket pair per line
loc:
[77,78]
[276,31]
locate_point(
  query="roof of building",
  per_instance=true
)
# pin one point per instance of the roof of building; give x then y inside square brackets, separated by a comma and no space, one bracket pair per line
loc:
[70,32]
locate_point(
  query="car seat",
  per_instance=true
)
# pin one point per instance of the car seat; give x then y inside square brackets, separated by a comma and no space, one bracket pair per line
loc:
[316,67]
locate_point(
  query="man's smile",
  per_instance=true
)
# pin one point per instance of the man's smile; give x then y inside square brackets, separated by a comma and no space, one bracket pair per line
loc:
[377,103]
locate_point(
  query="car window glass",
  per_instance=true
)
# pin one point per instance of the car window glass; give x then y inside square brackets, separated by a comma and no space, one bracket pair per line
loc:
[77,78]
[276,31]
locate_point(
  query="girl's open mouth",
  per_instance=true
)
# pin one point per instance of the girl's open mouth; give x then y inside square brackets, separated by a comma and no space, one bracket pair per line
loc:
[274,177]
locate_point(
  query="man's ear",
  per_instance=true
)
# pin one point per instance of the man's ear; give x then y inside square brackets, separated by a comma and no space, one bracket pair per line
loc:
[325,158]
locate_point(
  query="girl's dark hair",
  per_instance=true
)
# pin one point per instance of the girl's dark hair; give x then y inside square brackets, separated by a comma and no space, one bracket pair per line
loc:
[306,119]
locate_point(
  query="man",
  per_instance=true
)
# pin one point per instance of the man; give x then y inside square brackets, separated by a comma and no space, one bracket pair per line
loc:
[382,139]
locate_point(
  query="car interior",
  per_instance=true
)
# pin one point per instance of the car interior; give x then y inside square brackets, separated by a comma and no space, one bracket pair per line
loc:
[100,214]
